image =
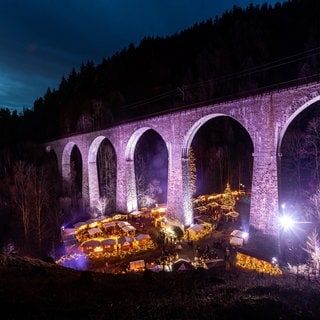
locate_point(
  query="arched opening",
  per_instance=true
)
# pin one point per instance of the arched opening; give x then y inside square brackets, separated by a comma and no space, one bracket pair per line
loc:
[299,180]
[107,177]
[72,181]
[151,169]
[222,154]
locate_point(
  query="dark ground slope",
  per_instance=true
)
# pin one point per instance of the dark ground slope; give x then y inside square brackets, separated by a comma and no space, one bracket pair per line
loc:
[32,289]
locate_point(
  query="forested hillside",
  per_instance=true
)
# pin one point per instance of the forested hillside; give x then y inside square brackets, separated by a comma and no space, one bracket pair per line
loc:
[239,53]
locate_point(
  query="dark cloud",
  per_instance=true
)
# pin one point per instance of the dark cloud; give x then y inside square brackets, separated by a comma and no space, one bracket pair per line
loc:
[42,40]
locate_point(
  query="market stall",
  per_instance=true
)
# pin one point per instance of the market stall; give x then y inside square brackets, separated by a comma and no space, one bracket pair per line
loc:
[129,231]
[109,245]
[143,238]
[138,265]
[135,214]
[95,232]
[125,243]
[231,215]
[90,246]
[196,231]
[238,238]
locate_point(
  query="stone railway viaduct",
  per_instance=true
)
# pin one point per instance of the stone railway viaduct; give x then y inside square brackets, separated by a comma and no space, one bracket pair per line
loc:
[264,116]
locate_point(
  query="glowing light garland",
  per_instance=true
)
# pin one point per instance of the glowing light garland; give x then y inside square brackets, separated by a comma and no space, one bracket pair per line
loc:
[251,263]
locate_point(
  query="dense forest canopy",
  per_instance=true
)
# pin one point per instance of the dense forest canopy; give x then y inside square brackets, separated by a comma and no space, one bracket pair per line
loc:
[243,51]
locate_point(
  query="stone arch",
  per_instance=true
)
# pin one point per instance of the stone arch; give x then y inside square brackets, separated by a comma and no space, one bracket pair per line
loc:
[132,143]
[196,126]
[132,200]
[291,118]
[66,162]
[72,189]
[93,180]
[187,199]
[282,133]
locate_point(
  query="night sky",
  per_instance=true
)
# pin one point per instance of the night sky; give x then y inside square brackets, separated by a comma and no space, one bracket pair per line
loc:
[42,40]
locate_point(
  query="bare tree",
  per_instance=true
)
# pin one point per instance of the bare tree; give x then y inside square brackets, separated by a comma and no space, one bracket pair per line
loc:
[313,144]
[20,194]
[313,250]
[76,181]
[106,162]
[149,197]
[154,189]
[140,169]
[39,195]
[101,206]
[140,183]
[33,197]
[313,206]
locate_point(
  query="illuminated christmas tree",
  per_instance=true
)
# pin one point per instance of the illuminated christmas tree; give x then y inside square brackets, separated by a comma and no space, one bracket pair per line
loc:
[228,198]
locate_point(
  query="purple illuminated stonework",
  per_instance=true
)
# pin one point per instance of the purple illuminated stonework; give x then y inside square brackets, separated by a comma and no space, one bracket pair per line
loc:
[265,117]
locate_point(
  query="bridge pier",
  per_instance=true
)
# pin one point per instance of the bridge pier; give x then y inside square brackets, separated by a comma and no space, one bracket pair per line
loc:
[131,203]
[264,194]
[179,202]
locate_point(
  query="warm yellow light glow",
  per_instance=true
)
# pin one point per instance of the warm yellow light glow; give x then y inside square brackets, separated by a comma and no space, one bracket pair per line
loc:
[251,263]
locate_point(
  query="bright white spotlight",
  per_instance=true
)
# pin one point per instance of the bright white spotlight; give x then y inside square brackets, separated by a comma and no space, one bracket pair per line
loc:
[286,222]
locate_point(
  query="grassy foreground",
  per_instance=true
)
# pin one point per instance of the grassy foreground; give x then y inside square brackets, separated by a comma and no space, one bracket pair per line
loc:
[33,289]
